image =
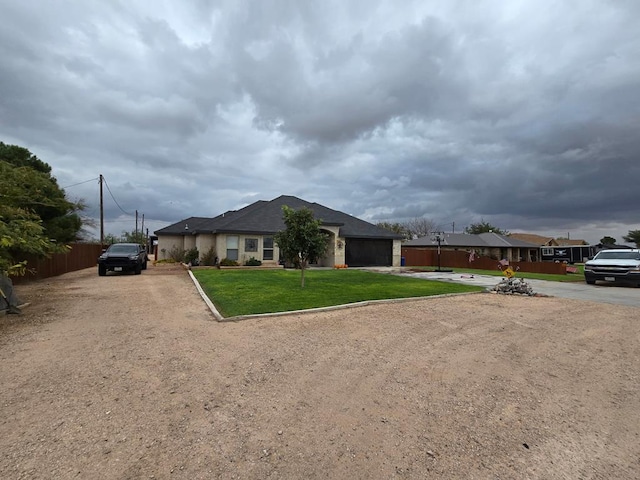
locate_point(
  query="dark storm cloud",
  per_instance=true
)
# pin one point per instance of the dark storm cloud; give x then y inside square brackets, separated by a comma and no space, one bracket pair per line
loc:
[343,92]
[524,114]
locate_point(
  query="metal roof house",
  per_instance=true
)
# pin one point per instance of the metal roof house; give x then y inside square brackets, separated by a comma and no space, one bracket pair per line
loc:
[248,232]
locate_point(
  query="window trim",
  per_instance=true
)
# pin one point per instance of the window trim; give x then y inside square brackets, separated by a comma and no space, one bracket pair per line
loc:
[231,252]
[250,244]
[267,252]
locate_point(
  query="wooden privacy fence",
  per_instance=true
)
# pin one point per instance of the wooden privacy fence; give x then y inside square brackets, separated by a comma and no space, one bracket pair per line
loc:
[427,257]
[81,255]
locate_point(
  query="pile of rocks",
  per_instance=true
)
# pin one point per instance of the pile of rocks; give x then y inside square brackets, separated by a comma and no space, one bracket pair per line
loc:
[513,286]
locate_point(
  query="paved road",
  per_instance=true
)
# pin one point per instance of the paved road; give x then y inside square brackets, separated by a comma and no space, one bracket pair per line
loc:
[603,293]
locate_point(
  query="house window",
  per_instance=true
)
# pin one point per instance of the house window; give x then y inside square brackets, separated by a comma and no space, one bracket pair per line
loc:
[232,247]
[250,244]
[547,252]
[267,248]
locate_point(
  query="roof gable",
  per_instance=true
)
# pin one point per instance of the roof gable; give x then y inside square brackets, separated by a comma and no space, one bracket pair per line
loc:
[265,217]
[533,238]
[565,242]
[183,227]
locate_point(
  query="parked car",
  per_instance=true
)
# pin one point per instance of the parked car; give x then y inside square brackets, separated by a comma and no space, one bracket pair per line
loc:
[614,265]
[122,257]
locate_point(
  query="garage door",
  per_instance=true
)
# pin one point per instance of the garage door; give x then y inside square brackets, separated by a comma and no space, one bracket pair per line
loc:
[368,253]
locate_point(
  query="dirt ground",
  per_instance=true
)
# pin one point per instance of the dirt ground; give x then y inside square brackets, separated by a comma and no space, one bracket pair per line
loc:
[127,377]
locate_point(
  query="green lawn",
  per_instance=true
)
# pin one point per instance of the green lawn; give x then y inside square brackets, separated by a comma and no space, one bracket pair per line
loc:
[246,292]
[569,277]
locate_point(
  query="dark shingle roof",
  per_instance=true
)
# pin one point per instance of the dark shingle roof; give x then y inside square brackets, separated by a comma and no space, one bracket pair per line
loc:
[265,217]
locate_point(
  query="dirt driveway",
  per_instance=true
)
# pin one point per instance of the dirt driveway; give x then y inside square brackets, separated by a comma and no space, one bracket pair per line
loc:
[127,377]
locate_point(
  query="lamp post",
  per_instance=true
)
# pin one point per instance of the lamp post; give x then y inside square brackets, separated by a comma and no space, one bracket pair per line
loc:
[438,237]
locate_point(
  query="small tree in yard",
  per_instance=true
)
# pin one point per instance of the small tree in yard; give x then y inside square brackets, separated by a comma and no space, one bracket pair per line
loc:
[302,241]
[484,227]
[608,240]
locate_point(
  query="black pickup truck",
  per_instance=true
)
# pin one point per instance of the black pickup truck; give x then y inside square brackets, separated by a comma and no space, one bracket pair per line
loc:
[122,257]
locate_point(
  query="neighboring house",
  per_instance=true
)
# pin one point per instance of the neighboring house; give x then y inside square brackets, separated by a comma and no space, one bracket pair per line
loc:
[248,232]
[485,244]
[559,249]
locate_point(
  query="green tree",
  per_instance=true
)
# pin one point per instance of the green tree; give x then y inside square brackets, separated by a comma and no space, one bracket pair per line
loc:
[21,157]
[21,229]
[128,237]
[633,237]
[134,237]
[484,227]
[110,239]
[37,191]
[396,227]
[301,242]
[607,240]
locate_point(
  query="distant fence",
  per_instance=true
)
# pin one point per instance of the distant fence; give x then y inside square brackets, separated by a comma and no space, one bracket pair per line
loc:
[426,257]
[82,255]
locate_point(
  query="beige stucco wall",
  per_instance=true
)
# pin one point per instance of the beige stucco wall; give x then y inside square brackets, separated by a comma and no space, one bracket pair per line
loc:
[203,242]
[189,242]
[243,255]
[396,256]
[168,242]
[335,249]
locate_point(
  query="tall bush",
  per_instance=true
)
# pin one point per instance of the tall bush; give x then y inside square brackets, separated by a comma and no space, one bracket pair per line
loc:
[192,256]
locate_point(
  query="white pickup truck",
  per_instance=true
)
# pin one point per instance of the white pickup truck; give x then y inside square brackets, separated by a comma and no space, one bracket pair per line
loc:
[616,265]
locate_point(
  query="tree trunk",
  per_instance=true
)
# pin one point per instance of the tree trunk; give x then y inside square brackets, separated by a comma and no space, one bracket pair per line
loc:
[303,267]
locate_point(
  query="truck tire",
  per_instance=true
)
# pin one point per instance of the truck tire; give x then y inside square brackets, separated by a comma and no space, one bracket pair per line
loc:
[102,270]
[590,282]
[138,269]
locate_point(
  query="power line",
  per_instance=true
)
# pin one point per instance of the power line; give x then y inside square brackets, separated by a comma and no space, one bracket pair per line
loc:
[80,183]
[114,198]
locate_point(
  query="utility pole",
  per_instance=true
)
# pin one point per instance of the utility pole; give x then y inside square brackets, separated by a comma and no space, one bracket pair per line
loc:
[136,224]
[101,214]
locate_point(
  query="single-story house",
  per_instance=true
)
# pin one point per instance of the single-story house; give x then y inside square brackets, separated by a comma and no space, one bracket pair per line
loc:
[548,241]
[558,249]
[248,232]
[485,244]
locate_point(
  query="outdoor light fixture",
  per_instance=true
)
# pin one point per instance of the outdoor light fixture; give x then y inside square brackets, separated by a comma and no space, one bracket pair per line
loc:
[438,237]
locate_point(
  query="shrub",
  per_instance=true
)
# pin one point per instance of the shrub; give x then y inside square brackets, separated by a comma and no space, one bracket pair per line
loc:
[176,254]
[225,262]
[253,262]
[192,256]
[209,257]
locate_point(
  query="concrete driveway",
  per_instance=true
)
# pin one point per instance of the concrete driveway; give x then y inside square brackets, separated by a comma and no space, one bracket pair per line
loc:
[604,293]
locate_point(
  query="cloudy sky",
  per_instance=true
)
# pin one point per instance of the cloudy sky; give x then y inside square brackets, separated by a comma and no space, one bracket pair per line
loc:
[525,114]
